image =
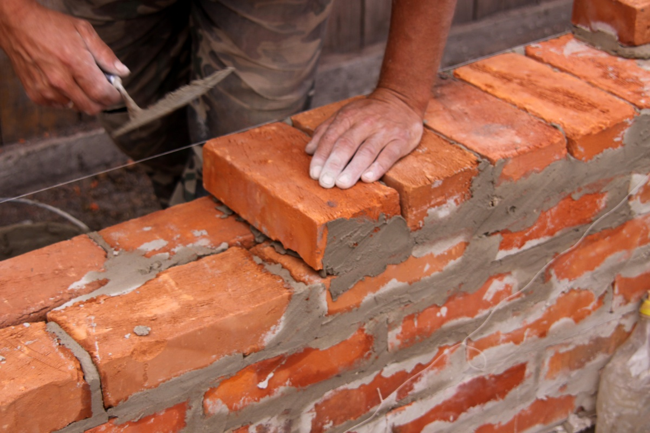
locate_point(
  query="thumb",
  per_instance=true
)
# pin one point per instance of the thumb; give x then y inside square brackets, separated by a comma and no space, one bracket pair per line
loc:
[102,53]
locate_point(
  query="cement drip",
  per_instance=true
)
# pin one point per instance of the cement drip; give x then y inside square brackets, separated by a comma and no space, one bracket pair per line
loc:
[609,42]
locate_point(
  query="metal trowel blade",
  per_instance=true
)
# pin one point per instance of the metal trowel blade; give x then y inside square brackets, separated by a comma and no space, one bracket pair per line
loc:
[171,102]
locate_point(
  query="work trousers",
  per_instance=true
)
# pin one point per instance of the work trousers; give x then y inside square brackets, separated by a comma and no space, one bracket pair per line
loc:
[274,46]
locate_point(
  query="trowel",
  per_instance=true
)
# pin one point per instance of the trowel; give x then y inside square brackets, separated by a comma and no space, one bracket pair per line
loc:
[171,102]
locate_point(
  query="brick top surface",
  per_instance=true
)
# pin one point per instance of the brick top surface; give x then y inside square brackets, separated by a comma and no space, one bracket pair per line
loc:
[626,19]
[308,121]
[626,78]
[192,315]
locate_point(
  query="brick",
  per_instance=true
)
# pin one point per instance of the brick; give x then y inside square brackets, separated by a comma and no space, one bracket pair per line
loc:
[409,271]
[627,19]
[435,174]
[568,213]
[346,404]
[170,420]
[308,121]
[197,313]
[624,78]
[42,386]
[421,325]
[628,290]
[263,175]
[472,393]
[592,120]
[619,242]
[195,224]
[494,129]
[575,305]
[567,358]
[274,376]
[639,201]
[542,412]
[34,283]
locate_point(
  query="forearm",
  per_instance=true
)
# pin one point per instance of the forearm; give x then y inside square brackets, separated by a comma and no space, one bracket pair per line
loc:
[416,41]
[11,12]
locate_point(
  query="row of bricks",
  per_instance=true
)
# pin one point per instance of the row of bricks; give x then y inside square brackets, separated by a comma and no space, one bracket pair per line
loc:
[627,20]
[129,363]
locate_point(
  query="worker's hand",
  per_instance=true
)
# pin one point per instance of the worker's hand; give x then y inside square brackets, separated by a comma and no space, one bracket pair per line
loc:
[363,140]
[56,57]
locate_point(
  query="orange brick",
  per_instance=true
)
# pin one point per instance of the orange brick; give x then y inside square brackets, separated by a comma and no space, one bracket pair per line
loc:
[263,175]
[568,213]
[419,326]
[475,392]
[171,420]
[197,313]
[575,305]
[197,223]
[592,119]
[308,121]
[592,252]
[346,404]
[543,412]
[631,289]
[622,77]
[409,271]
[271,377]
[34,283]
[629,20]
[568,358]
[435,174]
[494,129]
[42,386]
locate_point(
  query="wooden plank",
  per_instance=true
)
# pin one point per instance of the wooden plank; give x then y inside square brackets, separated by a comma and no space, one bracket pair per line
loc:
[376,20]
[345,27]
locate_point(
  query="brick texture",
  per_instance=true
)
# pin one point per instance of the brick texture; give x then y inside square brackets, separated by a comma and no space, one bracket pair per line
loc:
[543,412]
[436,174]
[34,283]
[262,174]
[631,289]
[592,119]
[171,420]
[494,129]
[42,386]
[627,19]
[232,302]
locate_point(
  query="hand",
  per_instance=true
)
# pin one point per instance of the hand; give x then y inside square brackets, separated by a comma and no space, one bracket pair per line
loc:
[363,140]
[56,57]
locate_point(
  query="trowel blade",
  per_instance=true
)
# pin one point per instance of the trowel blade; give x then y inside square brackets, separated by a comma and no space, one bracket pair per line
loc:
[173,101]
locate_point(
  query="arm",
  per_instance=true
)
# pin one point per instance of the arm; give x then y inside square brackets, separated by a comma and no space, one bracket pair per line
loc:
[366,137]
[56,57]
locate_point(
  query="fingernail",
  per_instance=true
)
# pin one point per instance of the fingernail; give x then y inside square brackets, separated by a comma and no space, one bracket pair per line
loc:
[368,176]
[121,68]
[327,181]
[315,172]
[344,180]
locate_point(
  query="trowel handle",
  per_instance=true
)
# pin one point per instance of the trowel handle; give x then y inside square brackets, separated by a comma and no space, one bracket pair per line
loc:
[110,77]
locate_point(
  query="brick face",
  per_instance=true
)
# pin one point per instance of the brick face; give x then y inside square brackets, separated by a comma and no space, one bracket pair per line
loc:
[543,412]
[224,321]
[171,420]
[592,119]
[42,387]
[628,19]
[34,283]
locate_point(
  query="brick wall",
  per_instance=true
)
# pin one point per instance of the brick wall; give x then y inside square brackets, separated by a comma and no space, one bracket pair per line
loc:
[479,288]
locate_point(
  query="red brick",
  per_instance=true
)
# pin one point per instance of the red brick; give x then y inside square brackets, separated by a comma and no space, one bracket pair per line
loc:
[622,77]
[592,119]
[171,420]
[197,223]
[273,376]
[573,358]
[34,283]
[263,175]
[308,121]
[543,412]
[419,326]
[198,313]
[628,19]
[346,404]
[435,174]
[472,393]
[575,305]
[42,386]
[592,252]
[629,290]
[568,213]
[494,129]
[409,271]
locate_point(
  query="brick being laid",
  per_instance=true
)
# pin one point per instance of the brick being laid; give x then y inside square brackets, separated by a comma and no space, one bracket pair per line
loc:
[592,119]
[308,121]
[626,20]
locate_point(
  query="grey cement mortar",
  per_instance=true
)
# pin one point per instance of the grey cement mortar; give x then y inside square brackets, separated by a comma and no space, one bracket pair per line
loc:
[91,375]
[609,42]
[358,247]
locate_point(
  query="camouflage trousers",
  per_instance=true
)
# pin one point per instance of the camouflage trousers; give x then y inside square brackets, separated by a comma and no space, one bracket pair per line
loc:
[274,46]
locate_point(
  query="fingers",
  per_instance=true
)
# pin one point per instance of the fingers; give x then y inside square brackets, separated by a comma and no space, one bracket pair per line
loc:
[361,161]
[101,52]
[386,159]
